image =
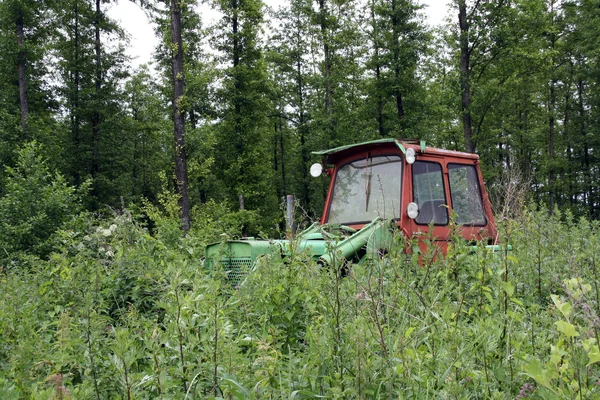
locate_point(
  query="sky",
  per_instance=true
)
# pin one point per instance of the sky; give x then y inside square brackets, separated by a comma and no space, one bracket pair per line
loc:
[143,39]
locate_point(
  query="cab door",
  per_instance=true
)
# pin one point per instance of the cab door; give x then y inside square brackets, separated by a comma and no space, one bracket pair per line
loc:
[474,219]
[430,193]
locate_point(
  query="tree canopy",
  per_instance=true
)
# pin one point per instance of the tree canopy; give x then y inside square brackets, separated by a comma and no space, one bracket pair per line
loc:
[258,89]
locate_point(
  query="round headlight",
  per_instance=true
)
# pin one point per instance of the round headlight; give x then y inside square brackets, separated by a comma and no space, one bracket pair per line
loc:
[412,210]
[316,170]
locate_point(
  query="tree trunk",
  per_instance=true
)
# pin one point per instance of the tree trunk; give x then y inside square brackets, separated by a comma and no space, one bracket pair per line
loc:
[302,118]
[237,101]
[380,125]
[588,181]
[98,85]
[551,126]
[327,70]
[282,151]
[178,115]
[569,173]
[22,74]
[75,113]
[465,82]
[396,52]
[551,133]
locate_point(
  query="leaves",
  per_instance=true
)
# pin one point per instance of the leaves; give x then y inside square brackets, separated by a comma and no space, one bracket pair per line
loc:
[147,319]
[567,329]
[542,375]
[564,307]
[36,203]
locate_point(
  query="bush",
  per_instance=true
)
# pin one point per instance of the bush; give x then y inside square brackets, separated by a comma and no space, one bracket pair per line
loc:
[35,204]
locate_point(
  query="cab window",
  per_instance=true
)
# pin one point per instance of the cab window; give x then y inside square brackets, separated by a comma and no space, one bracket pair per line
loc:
[466,195]
[429,193]
[365,189]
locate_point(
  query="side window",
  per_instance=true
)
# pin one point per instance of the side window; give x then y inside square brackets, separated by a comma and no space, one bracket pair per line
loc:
[466,194]
[428,193]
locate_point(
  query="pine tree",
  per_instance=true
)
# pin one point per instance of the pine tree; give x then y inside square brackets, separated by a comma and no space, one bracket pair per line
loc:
[26,105]
[89,87]
[398,41]
[244,136]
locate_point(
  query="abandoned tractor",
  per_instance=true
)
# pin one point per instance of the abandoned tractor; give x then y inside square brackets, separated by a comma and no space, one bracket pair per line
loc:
[379,189]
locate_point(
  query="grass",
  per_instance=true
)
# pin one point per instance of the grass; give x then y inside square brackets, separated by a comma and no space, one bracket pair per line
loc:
[118,313]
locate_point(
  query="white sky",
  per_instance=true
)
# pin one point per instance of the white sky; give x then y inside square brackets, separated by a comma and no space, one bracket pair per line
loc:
[143,39]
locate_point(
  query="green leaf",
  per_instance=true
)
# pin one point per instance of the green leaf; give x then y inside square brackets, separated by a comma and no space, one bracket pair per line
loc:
[567,329]
[593,355]
[542,375]
[565,308]
[488,297]
[516,301]
[237,389]
[508,288]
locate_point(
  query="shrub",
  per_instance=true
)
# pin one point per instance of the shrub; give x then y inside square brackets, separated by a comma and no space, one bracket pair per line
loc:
[36,202]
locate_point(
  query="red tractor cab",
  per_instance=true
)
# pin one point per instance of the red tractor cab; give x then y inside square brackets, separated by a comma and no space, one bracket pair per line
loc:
[420,188]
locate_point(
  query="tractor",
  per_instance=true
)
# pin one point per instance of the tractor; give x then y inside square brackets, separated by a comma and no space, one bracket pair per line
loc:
[378,189]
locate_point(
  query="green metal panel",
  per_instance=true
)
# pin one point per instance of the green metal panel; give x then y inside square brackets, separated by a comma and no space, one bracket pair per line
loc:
[370,235]
[401,147]
[237,257]
[399,143]
[494,248]
[349,146]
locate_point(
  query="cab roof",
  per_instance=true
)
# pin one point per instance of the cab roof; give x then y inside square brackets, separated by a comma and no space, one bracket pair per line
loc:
[332,155]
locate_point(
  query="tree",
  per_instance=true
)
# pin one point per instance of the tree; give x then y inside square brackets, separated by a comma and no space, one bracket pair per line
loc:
[398,41]
[179,114]
[26,104]
[91,75]
[149,129]
[288,56]
[465,81]
[244,166]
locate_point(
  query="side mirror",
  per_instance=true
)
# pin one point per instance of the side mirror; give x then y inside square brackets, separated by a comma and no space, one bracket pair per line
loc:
[316,170]
[412,210]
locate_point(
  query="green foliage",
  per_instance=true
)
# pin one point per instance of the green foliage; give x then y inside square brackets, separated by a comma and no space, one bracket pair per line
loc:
[244,166]
[115,312]
[117,308]
[35,204]
[212,220]
[324,74]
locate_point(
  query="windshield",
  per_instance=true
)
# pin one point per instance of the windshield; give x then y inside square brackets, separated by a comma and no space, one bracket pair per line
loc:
[365,189]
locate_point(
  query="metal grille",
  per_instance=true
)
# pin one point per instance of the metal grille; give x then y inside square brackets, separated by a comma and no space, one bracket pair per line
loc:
[236,269]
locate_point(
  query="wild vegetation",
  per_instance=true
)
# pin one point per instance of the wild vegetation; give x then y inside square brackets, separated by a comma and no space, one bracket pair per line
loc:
[117,312]
[104,167]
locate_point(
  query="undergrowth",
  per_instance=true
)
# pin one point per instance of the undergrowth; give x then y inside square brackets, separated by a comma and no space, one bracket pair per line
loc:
[115,312]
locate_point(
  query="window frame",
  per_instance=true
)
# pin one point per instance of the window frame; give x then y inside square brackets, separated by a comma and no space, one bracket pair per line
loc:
[478,181]
[443,189]
[364,156]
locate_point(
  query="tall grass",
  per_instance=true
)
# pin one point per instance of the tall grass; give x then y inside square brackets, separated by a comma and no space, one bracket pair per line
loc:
[118,313]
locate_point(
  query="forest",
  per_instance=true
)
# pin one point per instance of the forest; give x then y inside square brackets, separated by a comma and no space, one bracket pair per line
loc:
[113,179]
